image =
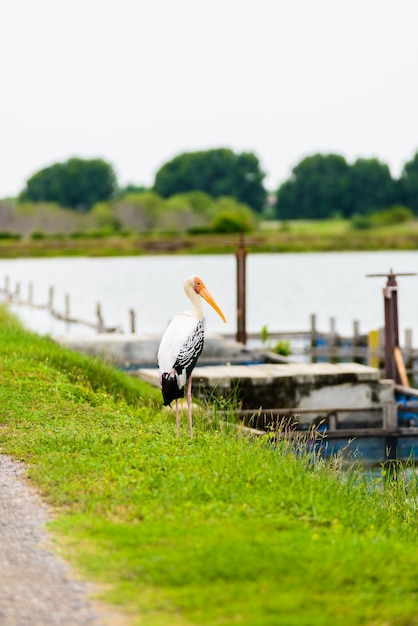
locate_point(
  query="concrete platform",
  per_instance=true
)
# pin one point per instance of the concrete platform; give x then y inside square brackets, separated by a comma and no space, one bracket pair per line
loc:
[293,385]
[263,385]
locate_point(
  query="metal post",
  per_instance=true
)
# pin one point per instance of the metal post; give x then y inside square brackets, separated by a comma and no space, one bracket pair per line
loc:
[241,255]
[390,297]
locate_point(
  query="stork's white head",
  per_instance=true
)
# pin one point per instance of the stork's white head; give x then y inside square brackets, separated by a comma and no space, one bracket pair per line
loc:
[198,286]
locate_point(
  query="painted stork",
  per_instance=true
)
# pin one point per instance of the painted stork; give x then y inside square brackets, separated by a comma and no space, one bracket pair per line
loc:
[181,346]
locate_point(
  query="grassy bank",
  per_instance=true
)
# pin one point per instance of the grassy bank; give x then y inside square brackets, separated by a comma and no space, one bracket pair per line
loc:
[215,530]
[292,236]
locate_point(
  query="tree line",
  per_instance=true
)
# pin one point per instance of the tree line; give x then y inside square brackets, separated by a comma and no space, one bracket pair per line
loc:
[320,185]
[323,186]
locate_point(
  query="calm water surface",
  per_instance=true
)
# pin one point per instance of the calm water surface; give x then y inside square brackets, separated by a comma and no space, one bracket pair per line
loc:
[282,290]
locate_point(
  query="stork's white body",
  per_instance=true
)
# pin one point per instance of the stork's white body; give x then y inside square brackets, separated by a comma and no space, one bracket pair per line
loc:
[181,346]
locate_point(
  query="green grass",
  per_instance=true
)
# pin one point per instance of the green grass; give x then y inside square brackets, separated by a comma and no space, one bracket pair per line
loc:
[221,529]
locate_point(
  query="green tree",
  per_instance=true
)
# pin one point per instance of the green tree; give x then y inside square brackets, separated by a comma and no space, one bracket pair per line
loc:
[218,172]
[232,217]
[77,183]
[201,202]
[317,188]
[139,211]
[105,216]
[370,187]
[408,184]
[394,215]
[129,189]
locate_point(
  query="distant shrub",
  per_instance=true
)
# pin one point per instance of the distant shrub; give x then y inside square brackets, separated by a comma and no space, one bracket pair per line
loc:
[231,222]
[232,217]
[79,235]
[38,234]
[361,222]
[394,215]
[200,230]
[4,234]
[199,201]
[139,212]
[105,231]
[105,216]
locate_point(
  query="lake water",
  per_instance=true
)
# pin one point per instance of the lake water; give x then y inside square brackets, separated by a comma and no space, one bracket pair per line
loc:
[283,290]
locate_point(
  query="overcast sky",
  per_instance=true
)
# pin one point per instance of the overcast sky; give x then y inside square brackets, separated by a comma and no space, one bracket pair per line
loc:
[137,82]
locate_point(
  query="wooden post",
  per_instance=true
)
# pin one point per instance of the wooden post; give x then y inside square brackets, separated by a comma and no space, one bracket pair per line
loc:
[99,317]
[408,347]
[381,332]
[51,298]
[356,333]
[332,421]
[67,306]
[332,331]
[17,291]
[390,416]
[30,297]
[390,423]
[241,255]
[313,330]
[7,285]
[132,319]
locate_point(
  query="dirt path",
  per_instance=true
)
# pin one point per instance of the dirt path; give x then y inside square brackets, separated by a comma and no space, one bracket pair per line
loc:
[37,588]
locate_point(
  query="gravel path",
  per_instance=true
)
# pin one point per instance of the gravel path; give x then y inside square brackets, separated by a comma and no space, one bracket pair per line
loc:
[37,588]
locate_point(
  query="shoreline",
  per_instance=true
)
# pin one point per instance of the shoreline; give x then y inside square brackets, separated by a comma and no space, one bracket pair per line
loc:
[260,242]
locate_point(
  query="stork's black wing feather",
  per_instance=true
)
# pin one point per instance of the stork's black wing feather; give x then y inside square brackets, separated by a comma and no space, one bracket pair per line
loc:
[190,351]
[184,365]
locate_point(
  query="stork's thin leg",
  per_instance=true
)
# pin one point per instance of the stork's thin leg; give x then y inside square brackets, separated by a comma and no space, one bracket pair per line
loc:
[177,418]
[189,405]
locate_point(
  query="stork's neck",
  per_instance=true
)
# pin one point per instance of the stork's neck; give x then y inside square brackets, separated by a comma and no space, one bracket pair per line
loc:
[196,300]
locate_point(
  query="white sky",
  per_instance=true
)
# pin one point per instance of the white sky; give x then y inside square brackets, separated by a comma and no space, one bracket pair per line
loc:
[137,82]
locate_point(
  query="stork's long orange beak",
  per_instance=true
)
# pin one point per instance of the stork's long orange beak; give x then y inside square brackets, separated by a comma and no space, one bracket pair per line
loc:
[203,291]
